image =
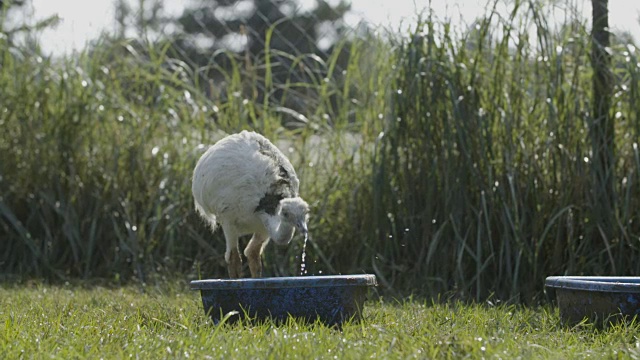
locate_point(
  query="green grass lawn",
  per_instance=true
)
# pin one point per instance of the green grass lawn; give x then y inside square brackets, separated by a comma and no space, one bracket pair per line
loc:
[167,321]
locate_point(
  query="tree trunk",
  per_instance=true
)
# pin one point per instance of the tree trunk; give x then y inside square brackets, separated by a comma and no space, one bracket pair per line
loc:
[602,130]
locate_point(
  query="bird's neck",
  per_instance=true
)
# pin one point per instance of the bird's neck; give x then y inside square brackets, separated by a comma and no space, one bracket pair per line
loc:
[280,231]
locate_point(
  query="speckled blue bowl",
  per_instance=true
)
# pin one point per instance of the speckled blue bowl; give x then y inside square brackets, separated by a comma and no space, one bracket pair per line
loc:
[331,299]
[601,299]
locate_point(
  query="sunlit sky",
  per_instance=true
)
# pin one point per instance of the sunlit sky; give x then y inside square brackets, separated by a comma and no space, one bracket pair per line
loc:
[84,20]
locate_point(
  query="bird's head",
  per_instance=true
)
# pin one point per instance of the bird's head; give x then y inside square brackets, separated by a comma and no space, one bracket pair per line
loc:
[295,212]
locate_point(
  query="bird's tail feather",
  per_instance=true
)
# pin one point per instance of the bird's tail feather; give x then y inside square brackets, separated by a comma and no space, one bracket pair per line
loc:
[208,217]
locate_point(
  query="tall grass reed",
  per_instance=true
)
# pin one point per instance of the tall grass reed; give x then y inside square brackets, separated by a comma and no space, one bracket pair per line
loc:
[442,160]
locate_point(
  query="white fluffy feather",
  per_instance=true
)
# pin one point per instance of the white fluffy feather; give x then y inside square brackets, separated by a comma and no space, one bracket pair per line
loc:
[240,182]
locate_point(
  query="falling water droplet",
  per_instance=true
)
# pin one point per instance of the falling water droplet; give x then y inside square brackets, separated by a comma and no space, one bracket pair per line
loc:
[303,266]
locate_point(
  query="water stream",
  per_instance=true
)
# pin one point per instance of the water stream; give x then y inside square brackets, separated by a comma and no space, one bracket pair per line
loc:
[303,270]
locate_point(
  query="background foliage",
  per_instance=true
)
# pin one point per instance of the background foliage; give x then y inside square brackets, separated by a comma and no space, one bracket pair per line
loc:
[443,161]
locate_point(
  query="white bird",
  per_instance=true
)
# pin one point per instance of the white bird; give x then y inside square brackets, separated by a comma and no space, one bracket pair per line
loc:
[244,183]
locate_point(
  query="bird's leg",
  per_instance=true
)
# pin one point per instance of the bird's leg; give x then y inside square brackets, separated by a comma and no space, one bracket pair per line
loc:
[253,252]
[232,254]
[234,264]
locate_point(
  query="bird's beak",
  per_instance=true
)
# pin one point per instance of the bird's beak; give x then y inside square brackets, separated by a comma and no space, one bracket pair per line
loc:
[302,227]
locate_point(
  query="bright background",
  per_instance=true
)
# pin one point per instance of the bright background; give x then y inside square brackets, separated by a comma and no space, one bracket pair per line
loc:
[83,20]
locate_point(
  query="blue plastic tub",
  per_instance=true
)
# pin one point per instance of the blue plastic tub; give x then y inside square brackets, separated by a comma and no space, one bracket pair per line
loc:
[602,299]
[331,299]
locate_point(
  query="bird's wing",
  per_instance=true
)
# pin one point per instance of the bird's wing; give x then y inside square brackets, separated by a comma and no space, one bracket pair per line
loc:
[283,181]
